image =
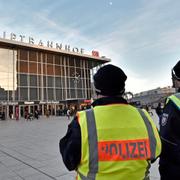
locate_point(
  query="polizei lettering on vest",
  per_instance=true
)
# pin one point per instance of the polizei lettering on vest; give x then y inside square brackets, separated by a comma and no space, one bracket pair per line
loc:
[124,150]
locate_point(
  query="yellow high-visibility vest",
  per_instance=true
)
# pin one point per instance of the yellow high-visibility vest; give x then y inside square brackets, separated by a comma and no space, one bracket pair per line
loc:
[175,98]
[117,143]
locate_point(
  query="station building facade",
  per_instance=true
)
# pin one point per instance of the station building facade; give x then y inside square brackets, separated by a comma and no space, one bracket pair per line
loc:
[40,78]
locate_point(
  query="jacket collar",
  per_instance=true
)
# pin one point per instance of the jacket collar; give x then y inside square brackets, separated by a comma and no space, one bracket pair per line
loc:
[109,100]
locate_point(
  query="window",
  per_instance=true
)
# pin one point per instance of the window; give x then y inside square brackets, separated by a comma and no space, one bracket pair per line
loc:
[50,94]
[45,93]
[50,81]
[63,82]
[32,56]
[44,81]
[71,61]
[50,58]
[57,70]
[23,94]
[79,94]
[79,84]
[59,94]
[33,68]
[72,83]
[23,67]
[57,60]
[33,94]
[57,82]
[23,80]
[73,93]
[39,57]
[39,68]
[50,70]
[33,80]
[77,63]
[23,54]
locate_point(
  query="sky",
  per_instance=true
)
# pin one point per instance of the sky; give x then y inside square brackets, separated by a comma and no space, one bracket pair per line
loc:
[142,37]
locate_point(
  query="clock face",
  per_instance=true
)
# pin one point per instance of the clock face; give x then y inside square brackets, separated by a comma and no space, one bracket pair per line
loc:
[76,77]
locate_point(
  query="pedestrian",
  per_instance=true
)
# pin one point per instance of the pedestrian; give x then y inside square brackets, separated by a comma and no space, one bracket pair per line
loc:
[159,110]
[113,140]
[36,114]
[3,116]
[149,110]
[68,114]
[26,115]
[169,164]
[47,113]
[17,113]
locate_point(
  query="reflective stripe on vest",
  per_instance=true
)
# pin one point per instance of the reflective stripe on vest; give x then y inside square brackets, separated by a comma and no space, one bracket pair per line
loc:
[135,145]
[151,135]
[93,146]
[175,98]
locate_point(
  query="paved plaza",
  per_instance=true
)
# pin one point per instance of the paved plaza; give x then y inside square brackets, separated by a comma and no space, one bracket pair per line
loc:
[29,150]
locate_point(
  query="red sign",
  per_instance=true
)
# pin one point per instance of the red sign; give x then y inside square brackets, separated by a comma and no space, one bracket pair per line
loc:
[95,53]
[87,101]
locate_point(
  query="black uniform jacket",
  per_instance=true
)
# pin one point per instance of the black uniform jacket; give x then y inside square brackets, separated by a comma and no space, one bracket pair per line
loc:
[170,136]
[70,144]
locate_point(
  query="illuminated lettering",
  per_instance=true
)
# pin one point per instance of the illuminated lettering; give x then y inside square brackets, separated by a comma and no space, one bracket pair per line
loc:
[75,49]
[4,34]
[40,43]
[50,44]
[58,46]
[82,51]
[31,40]
[13,36]
[21,37]
[67,47]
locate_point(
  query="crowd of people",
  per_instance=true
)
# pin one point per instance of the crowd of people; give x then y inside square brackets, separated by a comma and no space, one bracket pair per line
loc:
[116,140]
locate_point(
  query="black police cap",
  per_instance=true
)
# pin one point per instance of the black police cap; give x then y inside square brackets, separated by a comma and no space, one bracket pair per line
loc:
[110,80]
[176,71]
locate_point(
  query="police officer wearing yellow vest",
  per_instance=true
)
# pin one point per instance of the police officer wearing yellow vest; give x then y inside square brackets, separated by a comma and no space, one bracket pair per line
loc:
[113,140]
[170,132]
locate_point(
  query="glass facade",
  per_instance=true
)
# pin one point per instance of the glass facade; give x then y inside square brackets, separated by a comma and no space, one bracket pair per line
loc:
[38,79]
[8,74]
[28,75]
[51,77]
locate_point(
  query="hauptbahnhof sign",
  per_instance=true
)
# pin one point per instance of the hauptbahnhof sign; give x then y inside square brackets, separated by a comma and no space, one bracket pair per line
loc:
[50,44]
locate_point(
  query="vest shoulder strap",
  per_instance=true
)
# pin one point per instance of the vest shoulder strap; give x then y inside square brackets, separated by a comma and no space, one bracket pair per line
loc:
[93,146]
[151,135]
[175,99]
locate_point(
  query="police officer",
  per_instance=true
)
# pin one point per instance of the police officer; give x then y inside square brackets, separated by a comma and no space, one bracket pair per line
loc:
[170,132]
[113,140]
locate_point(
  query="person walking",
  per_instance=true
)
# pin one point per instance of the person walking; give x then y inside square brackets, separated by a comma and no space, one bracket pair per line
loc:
[113,140]
[68,113]
[169,164]
[36,114]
